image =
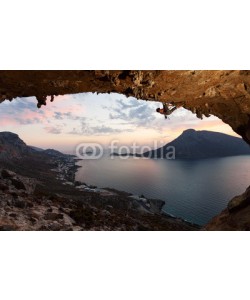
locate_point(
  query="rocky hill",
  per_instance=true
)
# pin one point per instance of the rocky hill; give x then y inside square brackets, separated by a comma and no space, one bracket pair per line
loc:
[192,144]
[11,146]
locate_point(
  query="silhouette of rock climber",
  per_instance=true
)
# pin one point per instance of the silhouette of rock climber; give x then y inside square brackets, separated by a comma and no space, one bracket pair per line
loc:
[166,110]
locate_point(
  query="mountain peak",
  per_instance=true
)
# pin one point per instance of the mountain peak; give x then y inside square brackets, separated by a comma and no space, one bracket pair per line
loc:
[10,137]
[9,134]
[11,145]
[192,144]
[189,131]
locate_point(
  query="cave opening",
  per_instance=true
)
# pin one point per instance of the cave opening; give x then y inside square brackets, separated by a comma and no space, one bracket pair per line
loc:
[195,187]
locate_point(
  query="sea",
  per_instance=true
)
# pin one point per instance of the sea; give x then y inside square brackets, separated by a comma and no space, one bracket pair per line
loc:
[194,190]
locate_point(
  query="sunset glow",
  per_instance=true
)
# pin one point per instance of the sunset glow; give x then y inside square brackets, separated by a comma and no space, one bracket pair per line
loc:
[72,119]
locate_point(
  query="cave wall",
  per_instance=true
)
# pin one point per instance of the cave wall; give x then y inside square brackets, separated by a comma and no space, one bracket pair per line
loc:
[225,94]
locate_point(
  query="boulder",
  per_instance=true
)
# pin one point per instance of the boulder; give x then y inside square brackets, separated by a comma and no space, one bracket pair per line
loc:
[7,174]
[19,203]
[3,187]
[12,215]
[156,205]
[53,216]
[239,202]
[18,184]
[7,227]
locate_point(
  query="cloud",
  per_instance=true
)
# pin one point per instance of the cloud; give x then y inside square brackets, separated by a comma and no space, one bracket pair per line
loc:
[135,112]
[53,129]
[58,115]
[67,115]
[132,103]
[102,115]
[142,115]
[98,130]
[21,104]
[24,111]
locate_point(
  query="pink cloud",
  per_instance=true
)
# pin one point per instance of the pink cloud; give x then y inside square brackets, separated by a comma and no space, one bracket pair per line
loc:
[43,115]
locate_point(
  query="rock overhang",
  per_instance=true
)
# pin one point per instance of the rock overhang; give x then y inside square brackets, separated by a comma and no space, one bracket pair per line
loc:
[223,93]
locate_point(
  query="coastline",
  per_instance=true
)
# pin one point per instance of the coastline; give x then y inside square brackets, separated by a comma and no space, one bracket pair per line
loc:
[143,204]
[47,198]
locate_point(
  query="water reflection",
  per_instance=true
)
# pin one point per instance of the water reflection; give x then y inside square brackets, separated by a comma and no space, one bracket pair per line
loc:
[194,190]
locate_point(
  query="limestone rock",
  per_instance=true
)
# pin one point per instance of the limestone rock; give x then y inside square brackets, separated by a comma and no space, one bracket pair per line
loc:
[18,184]
[235,217]
[239,202]
[7,174]
[225,94]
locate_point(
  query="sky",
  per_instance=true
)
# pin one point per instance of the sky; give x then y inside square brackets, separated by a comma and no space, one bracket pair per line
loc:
[88,117]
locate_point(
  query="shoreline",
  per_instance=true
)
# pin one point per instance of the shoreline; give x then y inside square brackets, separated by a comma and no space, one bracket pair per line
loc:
[153,206]
[49,201]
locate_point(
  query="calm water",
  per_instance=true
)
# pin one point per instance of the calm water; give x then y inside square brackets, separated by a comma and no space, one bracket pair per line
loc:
[193,190]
